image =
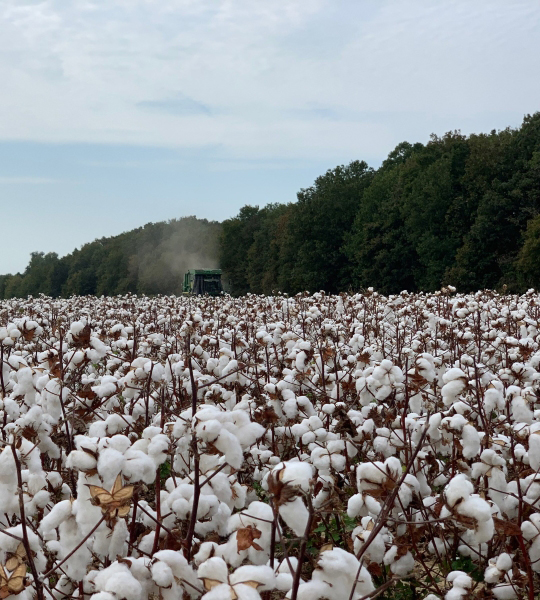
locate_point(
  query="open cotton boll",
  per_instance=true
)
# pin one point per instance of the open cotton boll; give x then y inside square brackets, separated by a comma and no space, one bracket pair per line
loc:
[118,539]
[295,514]
[179,567]
[470,441]
[214,568]
[110,463]
[227,592]
[10,538]
[295,473]
[118,580]
[59,513]
[531,531]
[534,446]
[339,568]
[461,584]
[314,590]
[400,564]
[459,488]
[262,574]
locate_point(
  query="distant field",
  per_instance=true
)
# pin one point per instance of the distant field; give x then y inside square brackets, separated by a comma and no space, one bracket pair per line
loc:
[312,447]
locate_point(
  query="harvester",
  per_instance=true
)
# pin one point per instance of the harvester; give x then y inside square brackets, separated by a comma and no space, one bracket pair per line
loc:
[198,282]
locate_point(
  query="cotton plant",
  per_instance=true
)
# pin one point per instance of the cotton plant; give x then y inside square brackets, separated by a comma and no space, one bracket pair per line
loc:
[336,574]
[244,583]
[303,405]
[461,585]
[499,573]
[467,509]
[286,483]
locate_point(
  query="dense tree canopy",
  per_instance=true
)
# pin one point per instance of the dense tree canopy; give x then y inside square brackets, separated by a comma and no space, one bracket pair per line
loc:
[458,210]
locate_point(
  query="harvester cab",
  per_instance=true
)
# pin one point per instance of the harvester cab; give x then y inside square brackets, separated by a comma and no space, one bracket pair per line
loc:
[198,282]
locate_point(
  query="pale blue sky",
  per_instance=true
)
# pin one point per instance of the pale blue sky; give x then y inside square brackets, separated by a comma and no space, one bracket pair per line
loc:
[114,113]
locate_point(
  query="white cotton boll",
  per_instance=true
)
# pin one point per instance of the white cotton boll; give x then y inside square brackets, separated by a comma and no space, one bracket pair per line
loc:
[295,514]
[339,569]
[459,579]
[459,488]
[493,399]
[139,466]
[206,550]
[521,412]
[118,539]
[119,442]
[59,513]
[295,473]
[373,506]
[470,441]
[158,449]
[82,461]
[315,590]
[214,568]
[409,487]
[534,449]
[162,574]
[181,569]
[227,443]
[504,562]
[438,546]
[453,374]
[505,592]
[284,582]
[110,463]
[355,505]
[118,580]
[451,390]
[261,573]
[403,565]
[103,596]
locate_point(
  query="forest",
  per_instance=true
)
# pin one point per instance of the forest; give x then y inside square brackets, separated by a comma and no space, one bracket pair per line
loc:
[460,210]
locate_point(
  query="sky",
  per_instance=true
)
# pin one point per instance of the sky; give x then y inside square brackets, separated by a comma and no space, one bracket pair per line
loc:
[116,113]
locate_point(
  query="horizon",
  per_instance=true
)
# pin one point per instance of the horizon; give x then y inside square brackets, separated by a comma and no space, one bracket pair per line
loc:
[120,115]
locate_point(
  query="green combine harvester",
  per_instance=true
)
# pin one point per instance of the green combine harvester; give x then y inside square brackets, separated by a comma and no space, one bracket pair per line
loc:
[198,282]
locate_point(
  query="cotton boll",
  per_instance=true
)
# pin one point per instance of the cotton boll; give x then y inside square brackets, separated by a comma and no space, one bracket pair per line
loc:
[461,584]
[162,574]
[459,488]
[295,514]
[521,412]
[180,568]
[110,463]
[295,473]
[214,568]
[59,513]
[315,590]
[470,441]
[262,574]
[118,540]
[339,569]
[118,580]
[534,447]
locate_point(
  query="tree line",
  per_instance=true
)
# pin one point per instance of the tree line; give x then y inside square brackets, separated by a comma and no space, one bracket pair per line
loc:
[148,260]
[460,210]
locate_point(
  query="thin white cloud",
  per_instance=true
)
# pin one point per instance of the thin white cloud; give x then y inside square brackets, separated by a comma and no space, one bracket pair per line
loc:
[288,79]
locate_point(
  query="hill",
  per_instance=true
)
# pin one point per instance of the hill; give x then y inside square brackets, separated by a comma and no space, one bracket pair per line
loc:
[150,260]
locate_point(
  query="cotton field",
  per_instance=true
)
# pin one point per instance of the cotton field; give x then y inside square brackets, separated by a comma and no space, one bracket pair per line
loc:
[313,447]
